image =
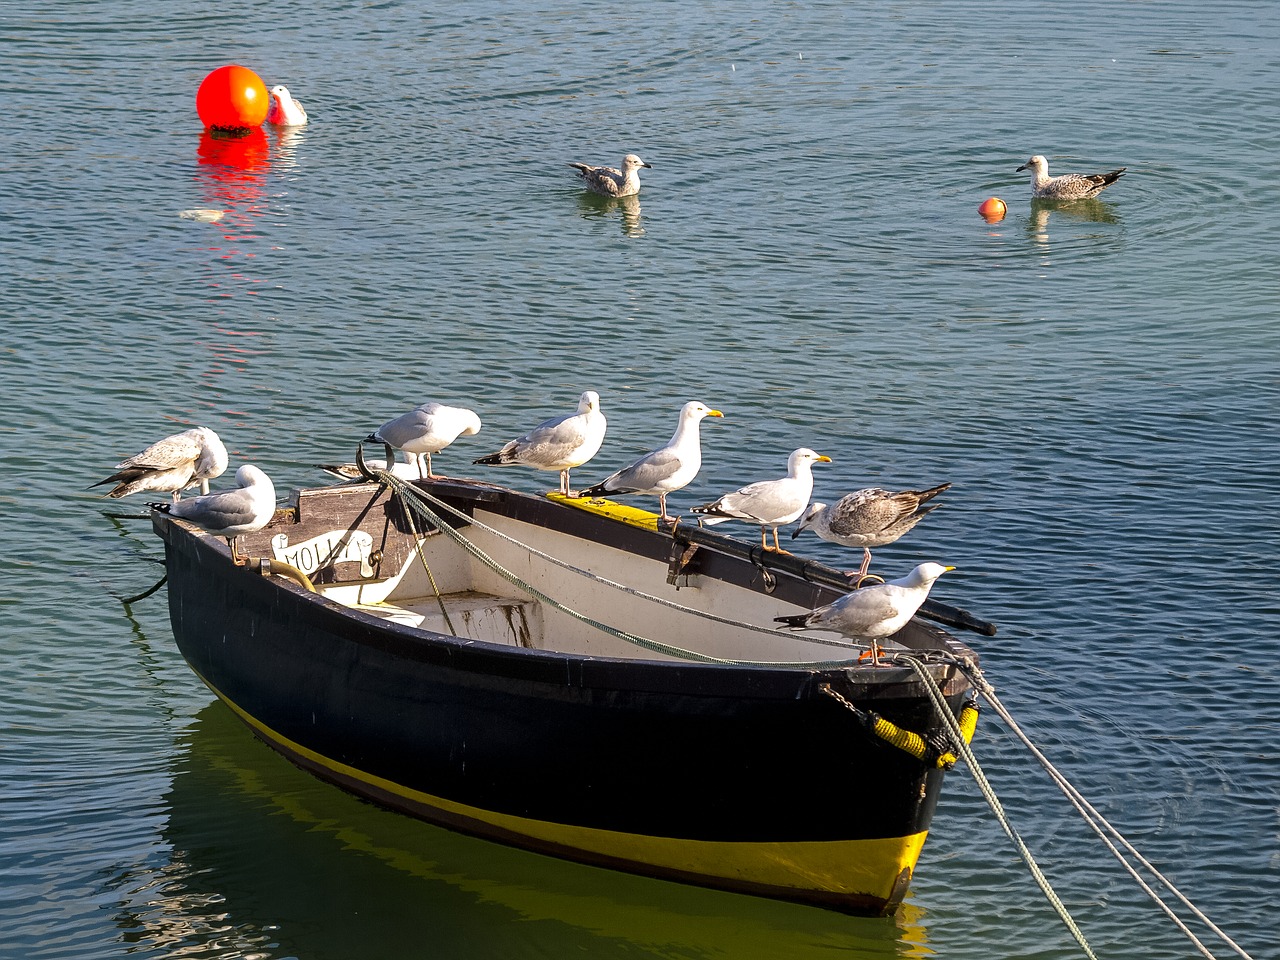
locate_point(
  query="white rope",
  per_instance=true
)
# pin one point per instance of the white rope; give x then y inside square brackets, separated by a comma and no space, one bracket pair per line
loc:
[1098,823]
[993,802]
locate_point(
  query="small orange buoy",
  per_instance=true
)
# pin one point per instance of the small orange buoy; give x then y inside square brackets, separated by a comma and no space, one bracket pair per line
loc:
[992,209]
[232,98]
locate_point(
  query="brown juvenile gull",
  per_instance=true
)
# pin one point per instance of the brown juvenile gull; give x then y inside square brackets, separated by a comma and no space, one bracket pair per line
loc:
[770,503]
[426,429]
[560,443]
[171,465]
[610,181]
[871,517]
[666,469]
[230,513]
[284,111]
[872,613]
[1069,186]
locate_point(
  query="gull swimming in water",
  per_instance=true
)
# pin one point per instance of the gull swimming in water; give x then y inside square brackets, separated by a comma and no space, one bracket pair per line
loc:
[560,443]
[426,429]
[666,469]
[770,503]
[875,612]
[230,513]
[871,517]
[610,181]
[171,465]
[1069,186]
[284,111]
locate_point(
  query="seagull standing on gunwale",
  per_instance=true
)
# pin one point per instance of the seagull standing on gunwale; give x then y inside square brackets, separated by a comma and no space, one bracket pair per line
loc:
[171,465]
[870,517]
[872,613]
[560,443]
[426,429]
[610,181]
[284,111]
[230,513]
[666,469]
[1069,186]
[770,503]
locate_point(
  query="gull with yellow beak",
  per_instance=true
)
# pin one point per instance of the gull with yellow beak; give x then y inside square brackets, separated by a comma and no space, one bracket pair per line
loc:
[770,503]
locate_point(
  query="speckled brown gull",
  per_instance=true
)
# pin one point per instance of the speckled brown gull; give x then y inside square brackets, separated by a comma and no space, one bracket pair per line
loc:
[560,443]
[666,469]
[871,517]
[230,513]
[171,465]
[1069,186]
[770,503]
[872,613]
[426,429]
[610,181]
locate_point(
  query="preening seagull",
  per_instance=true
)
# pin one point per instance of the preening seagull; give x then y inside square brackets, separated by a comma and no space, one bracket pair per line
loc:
[871,517]
[230,513]
[1069,186]
[770,503]
[171,465]
[426,429]
[874,612]
[610,181]
[560,443]
[284,111]
[666,469]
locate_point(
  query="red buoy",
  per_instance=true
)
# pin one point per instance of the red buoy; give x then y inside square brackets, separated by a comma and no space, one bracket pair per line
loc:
[232,98]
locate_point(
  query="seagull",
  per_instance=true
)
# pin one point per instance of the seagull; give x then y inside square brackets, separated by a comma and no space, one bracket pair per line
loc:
[560,443]
[872,613]
[1069,186]
[871,517]
[666,469]
[770,503]
[284,111]
[610,181]
[171,465]
[230,513]
[426,429]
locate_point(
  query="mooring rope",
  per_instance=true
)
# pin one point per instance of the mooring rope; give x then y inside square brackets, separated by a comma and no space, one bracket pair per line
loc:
[1098,823]
[963,748]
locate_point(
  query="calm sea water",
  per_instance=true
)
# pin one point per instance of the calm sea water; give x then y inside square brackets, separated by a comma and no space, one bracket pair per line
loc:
[1101,383]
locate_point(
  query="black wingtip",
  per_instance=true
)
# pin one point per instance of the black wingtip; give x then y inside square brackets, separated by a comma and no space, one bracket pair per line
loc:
[797,620]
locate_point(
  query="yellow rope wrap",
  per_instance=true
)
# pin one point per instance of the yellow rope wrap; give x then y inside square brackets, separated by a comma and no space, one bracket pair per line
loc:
[890,732]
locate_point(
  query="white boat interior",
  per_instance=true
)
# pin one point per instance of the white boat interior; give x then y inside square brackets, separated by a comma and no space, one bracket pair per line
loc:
[441,577]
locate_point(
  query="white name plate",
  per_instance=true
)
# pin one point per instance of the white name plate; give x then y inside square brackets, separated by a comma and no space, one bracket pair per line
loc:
[338,546]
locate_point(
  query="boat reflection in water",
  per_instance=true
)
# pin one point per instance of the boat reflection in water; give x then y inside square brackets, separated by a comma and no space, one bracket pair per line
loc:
[267,861]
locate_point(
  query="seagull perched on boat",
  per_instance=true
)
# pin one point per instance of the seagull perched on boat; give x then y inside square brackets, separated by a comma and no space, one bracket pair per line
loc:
[610,181]
[230,513]
[560,443]
[284,111]
[1069,186]
[874,612]
[171,465]
[770,503]
[666,469]
[426,429]
[871,517]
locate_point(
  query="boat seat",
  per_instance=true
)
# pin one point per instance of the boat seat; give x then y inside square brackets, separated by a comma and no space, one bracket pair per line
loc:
[516,621]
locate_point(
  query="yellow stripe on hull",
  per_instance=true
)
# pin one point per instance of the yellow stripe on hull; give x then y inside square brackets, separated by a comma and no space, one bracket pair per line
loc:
[842,873]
